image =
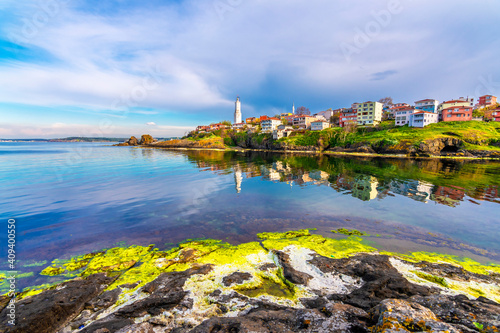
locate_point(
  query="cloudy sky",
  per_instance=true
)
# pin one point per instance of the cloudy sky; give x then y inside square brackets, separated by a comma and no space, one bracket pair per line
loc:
[129,67]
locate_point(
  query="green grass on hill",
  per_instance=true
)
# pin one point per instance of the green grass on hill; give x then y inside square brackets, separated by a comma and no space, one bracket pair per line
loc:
[475,134]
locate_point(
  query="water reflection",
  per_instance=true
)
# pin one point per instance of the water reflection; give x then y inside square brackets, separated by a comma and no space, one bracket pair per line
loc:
[443,182]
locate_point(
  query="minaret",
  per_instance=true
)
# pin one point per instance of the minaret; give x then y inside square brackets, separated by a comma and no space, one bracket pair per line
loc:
[293,108]
[237,111]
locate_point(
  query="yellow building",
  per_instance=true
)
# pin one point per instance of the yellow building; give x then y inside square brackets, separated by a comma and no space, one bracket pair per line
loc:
[369,113]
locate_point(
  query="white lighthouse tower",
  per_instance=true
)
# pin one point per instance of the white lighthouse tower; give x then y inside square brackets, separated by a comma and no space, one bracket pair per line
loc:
[237,111]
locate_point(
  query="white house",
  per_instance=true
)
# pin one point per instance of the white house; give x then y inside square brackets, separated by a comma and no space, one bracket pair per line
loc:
[282,131]
[430,105]
[402,116]
[319,125]
[270,124]
[239,126]
[422,118]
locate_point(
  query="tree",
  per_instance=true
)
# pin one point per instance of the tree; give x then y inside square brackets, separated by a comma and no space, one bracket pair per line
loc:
[387,101]
[334,119]
[284,121]
[303,111]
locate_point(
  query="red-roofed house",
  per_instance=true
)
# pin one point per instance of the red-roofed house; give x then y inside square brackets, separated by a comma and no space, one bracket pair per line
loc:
[487,100]
[496,115]
[430,105]
[402,115]
[270,124]
[348,116]
[457,113]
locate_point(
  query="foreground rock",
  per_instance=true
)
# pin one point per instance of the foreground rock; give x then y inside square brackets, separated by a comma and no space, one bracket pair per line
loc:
[290,282]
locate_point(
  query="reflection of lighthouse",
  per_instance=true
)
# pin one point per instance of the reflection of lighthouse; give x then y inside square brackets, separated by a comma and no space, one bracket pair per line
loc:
[237,111]
[238,178]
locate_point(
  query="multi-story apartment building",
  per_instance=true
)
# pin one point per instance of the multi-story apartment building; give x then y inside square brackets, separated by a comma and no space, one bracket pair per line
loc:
[270,124]
[455,102]
[303,121]
[402,115]
[457,113]
[487,100]
[429,105]
[422,118]
[348,116]
[319,125]
[369,113]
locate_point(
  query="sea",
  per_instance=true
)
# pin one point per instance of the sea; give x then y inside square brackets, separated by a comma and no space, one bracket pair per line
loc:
[68,199]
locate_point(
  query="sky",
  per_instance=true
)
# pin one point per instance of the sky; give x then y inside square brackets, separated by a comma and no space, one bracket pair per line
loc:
[117,68]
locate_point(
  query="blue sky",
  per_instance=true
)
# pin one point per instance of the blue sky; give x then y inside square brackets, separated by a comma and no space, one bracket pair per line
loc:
[129,67]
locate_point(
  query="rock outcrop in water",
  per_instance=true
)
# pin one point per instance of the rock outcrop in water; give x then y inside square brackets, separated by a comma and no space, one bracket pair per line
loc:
[130,142]
[287,282]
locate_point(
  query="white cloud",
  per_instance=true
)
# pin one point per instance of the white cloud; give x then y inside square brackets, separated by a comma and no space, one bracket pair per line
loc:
[151,123]
[195,59]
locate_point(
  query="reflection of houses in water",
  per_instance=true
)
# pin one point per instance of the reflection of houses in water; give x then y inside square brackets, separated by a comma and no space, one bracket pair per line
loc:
[279,172]
[365,188]
[320,177]
[270,172]
[413,189]
[448,196]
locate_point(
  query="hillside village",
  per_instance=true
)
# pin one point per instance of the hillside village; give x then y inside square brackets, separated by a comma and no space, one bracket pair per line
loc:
[368,114]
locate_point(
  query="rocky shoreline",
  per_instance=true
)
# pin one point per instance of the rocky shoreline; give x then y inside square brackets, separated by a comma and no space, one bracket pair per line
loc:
[436,148]
[287,282]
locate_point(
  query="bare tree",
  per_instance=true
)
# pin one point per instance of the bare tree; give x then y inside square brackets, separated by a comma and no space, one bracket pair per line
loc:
[303,111]
[387,101]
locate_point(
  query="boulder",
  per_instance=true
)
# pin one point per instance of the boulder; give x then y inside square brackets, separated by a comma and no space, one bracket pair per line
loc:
[395,315]
[381,280]
[132,141]
[52,309]
[146,139]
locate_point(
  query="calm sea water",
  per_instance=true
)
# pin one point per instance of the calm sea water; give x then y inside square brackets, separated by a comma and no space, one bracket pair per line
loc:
[74,198]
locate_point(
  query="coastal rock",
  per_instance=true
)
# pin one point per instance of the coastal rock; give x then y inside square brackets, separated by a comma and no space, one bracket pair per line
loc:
[130,142]
[382,280]
[53,308]
[165,292]
[441,146]
[289,272]
[334,317]
[146,139]
[394,315]
[236,278]
[466,313]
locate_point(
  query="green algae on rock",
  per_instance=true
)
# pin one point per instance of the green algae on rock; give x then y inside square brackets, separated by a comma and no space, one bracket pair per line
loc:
[286,235]
[348,232]
[327,247]
[218,279]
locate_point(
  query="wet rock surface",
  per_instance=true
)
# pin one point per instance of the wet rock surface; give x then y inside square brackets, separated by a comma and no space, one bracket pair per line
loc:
[236,278]
[50,310]
[375,293]
[382,280]
[290,273]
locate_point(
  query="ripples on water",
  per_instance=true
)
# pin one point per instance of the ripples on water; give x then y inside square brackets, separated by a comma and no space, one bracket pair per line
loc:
[71,198]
